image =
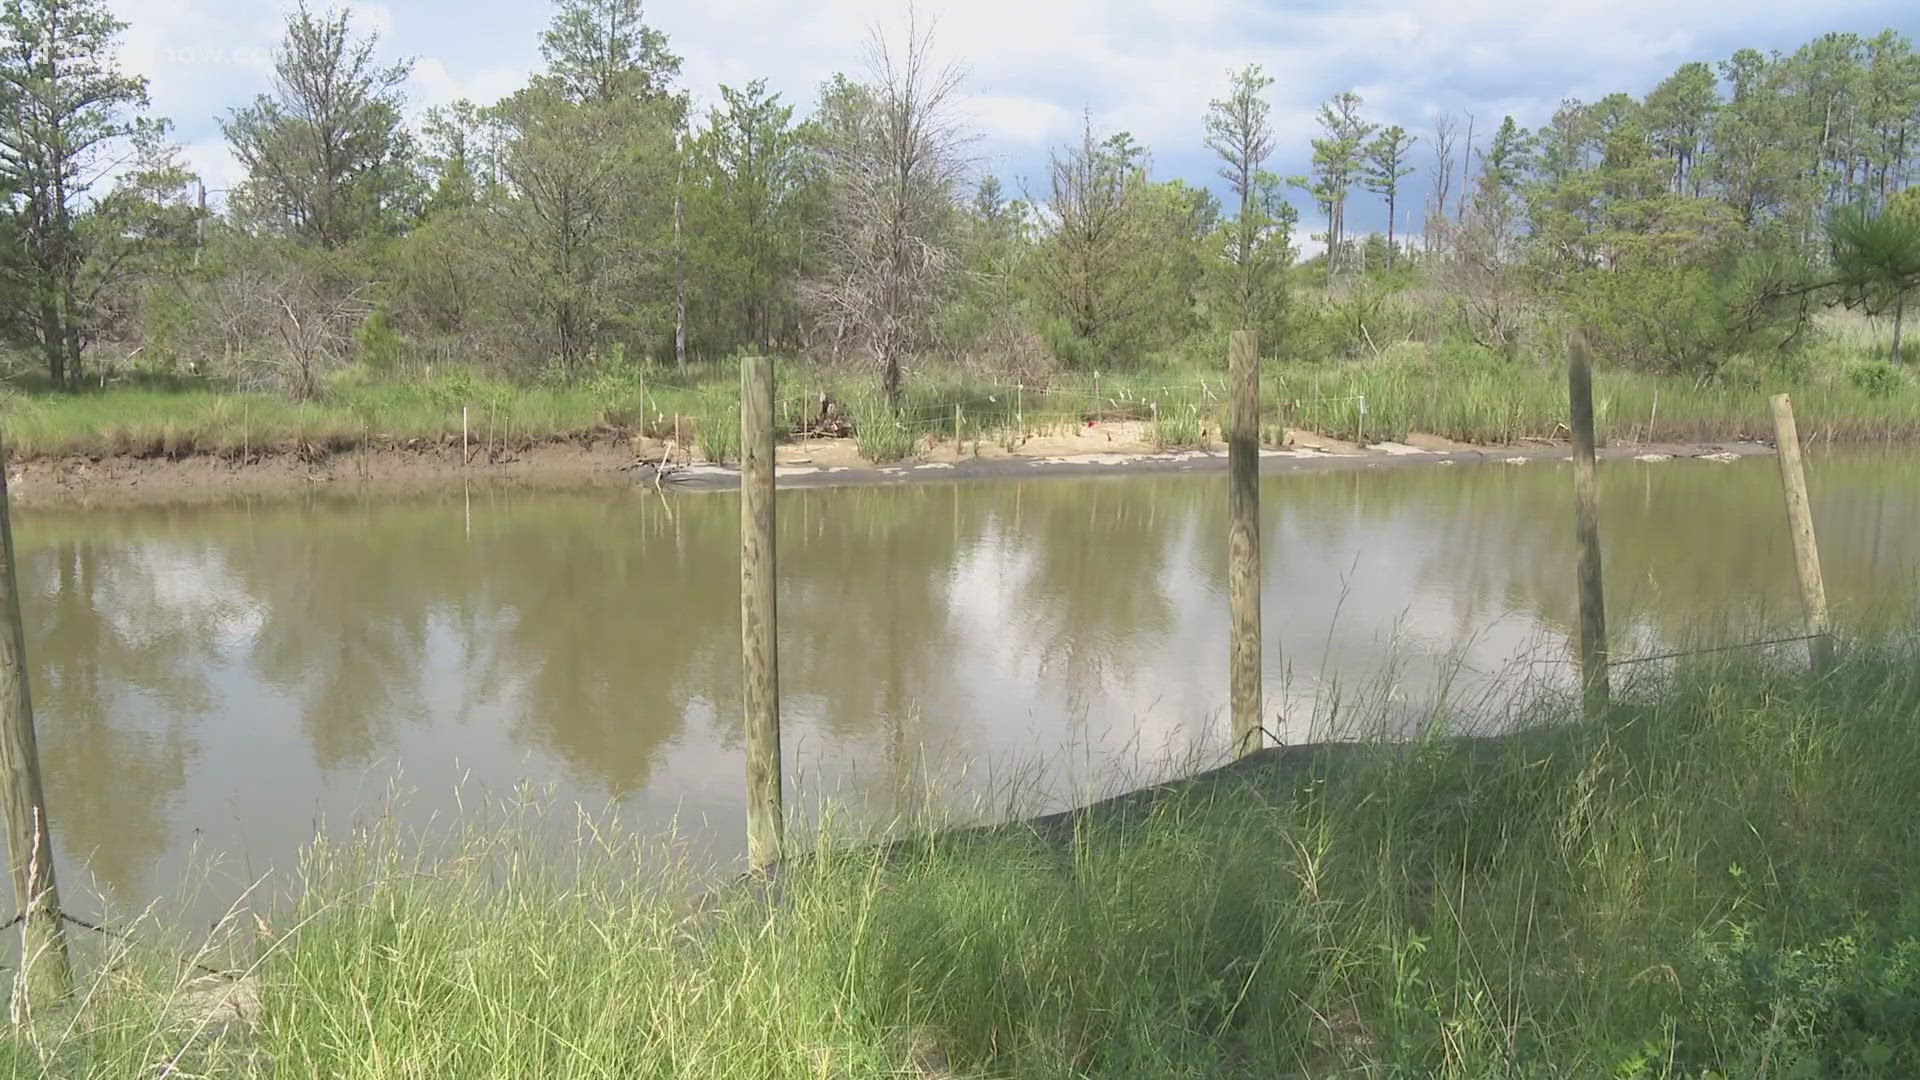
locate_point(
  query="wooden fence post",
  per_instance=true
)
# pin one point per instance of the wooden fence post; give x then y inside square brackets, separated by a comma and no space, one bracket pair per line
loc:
[1243,538]
[1806,550]
[44,971]
[1594,686]
[759,654]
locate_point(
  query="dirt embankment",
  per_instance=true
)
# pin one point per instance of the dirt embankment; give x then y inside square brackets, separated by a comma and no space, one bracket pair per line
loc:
[617,461]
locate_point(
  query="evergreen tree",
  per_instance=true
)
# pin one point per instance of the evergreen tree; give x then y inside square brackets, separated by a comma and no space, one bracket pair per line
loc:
[1387,164]
[1259,240]
[66,103]
[328,160]
[746,215]
[1338,156]
[601,51]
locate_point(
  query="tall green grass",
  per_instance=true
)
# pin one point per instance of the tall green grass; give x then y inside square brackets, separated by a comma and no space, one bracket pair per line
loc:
[177,423]
[1719,879]
[1177,428]
[1841,393]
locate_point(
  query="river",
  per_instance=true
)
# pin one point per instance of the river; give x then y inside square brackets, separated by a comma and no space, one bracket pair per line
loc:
[215,685]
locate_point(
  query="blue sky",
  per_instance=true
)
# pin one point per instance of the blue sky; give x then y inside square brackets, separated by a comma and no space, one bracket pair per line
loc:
[1146,66]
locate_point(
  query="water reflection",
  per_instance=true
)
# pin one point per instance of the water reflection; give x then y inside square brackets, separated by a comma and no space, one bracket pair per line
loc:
[238,675]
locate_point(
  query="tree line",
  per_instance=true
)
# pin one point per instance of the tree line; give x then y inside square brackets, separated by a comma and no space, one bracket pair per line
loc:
[593,220]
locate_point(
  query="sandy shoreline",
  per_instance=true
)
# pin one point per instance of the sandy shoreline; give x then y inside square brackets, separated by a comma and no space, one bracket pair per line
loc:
[616,463]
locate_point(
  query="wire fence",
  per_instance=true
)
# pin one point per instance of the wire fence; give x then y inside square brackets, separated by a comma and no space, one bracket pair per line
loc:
[1685,653]
[104,931]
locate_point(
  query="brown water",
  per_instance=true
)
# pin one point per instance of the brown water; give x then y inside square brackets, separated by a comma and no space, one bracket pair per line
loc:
[239,678]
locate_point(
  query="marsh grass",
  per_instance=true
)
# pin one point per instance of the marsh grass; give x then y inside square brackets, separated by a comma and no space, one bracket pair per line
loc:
[718,431]
[1177,428]
[179,422]
[1719,879]
[1844,391]
[883,434]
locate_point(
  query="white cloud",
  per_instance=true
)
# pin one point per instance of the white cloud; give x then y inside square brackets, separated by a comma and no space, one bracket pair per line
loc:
[215,164]
[369,17]
[1027,120]
[1147,66]
[432,84]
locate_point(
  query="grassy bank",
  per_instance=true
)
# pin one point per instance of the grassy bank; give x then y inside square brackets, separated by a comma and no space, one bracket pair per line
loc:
[1720,880]
[1407,388]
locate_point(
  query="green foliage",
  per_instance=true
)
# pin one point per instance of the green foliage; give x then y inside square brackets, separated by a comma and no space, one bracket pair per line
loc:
[1067,345]
[446,280]
[880,432]
[1877,379]
[748,210]
[718,431]
[1120,259]
[1339,161]
[993,318]
[1847,1005]
[455,390]
[1654,319]
[1309,332]
[328,158]
[1679,119]
[600,51]
[1876,256]
[451,155]
[1358,320]
[380,347]
[586,213]
[1768,370]
[1177,428]
[67,108]
[1510,154]
[1255,247]
[1387,164]
[576,270]
[1453,388]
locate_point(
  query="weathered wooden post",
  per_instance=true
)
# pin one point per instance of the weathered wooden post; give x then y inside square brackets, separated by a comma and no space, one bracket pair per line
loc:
[43,945]
[1806,550]
[1595,690]
[759,655]
[1243,538]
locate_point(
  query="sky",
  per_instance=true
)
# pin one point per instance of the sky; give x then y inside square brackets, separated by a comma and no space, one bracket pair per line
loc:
[1148,67]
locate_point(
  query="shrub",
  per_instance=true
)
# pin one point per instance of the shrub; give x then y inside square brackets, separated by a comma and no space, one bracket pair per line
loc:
[380,347]
[1068,346]
[1461,353]
[1877,378]
[456,389]
[881,435]
[1843,1006]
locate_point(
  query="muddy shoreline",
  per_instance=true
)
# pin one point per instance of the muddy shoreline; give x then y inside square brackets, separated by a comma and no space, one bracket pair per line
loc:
[617,464]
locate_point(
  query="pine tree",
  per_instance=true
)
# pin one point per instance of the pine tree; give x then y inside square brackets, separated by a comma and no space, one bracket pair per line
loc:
[328,160]
[1387,164]
[1240,132]
[66,103]
[1337,160]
